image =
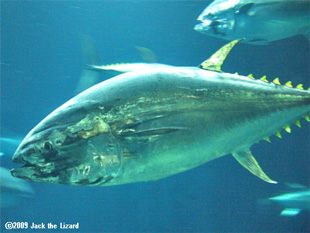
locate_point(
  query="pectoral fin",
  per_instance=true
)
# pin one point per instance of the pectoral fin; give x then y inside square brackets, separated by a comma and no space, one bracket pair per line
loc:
[245,9]
[150,132]
[246,159]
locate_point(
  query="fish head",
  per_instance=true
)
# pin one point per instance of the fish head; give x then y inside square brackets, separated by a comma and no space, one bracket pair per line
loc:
[220,28]
[223,19]
[218,19]
[70,146]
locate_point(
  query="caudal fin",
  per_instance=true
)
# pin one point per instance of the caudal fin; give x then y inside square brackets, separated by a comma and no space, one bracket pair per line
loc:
[89,77]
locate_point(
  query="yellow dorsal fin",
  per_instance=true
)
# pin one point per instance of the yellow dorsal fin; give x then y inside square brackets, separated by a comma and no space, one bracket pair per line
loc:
[288,84]
[246,159]
[298,123]
[215,62]
[264,78]
[300,86]
[287,129]
[276,81]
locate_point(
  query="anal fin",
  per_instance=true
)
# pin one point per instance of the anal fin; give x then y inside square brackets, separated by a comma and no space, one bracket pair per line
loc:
[246,159]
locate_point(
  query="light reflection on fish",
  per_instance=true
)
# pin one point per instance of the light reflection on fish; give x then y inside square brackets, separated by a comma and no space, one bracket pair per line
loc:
[259,22]
[147,125]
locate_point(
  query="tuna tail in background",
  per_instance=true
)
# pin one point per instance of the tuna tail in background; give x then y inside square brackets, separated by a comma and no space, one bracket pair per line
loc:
[89,77]
[91,68]
[147,55]
[290,201]
[8,145]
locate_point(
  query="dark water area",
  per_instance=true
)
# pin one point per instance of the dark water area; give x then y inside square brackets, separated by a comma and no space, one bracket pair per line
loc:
[41,63]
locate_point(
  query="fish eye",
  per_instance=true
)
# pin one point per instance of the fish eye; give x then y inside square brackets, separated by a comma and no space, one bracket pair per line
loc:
[210,16]
[48,146]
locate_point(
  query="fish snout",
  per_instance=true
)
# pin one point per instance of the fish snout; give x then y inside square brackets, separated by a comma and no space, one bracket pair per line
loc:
[17,157]
[203,27]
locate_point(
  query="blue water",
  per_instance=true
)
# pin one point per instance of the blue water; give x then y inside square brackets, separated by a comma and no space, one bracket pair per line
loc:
[41,60]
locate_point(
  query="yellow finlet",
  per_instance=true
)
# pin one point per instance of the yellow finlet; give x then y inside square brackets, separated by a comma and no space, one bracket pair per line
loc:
[278,134]
[276,81]
[236,73]
[264,78]
[307,118]
[287,129]
[251,76]
[299,86]
[289,84]
[267,139]
[298,123]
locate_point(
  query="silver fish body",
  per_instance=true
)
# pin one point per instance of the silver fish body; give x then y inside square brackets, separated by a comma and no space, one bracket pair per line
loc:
[258,22]
[147,125]
[293,201]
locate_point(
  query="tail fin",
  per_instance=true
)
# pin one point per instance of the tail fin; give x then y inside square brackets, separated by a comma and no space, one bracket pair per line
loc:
[90,52]
[88,77]
[147,55]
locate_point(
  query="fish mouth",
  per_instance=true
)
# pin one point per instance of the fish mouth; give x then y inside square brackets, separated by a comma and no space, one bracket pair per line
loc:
[203,26]
[30,170]
[218,26]
[25,172]
[210,27]
[38,173]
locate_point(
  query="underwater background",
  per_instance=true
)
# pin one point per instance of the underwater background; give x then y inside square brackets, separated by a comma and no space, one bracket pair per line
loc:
[41,63]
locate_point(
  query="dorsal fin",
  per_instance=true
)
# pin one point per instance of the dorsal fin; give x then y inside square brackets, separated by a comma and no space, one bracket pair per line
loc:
[215,62]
